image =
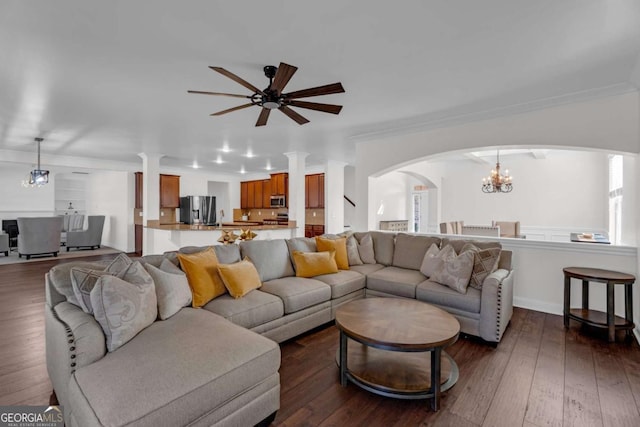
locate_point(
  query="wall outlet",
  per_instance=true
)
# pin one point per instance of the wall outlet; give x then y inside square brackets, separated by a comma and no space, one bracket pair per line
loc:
[161,213]
[140,214]
[259,213]
[314,214]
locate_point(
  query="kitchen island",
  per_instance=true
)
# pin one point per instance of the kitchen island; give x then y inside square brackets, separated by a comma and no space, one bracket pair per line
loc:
[171,237]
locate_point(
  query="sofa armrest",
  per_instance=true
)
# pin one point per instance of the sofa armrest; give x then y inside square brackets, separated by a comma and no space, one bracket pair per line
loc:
[496,304]
[74,339]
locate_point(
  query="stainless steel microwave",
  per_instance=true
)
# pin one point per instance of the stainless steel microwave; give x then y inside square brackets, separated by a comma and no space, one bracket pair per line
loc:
[278,202]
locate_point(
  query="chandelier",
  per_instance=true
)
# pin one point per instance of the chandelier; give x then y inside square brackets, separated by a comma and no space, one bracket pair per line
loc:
[496,182]
[37,177]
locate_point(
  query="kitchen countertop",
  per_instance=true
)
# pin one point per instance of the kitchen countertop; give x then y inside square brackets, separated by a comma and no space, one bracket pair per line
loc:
[225,226]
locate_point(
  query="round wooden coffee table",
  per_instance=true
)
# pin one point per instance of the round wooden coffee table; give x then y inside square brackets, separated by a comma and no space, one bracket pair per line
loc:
[382,341]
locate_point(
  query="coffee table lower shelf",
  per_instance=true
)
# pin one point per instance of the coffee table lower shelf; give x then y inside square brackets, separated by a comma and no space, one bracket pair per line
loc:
[397,374]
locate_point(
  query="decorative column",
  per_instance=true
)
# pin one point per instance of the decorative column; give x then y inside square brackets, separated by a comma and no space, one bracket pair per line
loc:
[297,190]
[334,197]
[150,196]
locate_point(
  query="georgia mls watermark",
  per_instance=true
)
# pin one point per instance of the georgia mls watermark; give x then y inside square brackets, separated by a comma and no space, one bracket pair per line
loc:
[31,416]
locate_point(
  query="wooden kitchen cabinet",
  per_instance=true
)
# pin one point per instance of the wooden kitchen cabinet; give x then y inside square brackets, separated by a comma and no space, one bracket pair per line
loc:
[169,191]
[244,195]
[266,193]
[138,190]
[251,194]
[279,184]
[257,195]
[314,191]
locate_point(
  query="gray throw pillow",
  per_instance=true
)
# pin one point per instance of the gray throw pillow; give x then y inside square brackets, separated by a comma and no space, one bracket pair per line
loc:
[172,288]
[352,251]
[365,249]
[123,309]
[84,279]
[485,262]
[455,272]
[434,258]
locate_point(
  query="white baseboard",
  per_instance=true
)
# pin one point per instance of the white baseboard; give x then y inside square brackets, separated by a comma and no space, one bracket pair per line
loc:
[537,305]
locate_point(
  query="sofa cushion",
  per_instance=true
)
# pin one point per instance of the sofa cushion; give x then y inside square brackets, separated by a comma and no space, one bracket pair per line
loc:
[458,244]
[255,308]
[174,365]
[83,280]
[123,308]
[485,262]
[343,282]
[410,250]
[396,281]
[60,277]
[201,269]
[455,271]
[271,258]
[227,254]
[297,293]
[435,293]
[352,251]
[302,244]
[383,247]
[367,269]
[172,288]
[434,258]
[239,278]
[309,264]
[365,248]
[339,245]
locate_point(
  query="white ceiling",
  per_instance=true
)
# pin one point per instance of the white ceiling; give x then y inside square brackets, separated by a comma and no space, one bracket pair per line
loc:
[109,79]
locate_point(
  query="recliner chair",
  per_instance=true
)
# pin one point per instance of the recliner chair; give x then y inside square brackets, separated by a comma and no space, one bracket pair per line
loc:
[89,238]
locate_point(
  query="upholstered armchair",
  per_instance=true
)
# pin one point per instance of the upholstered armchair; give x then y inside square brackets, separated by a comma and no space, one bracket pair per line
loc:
[39,236]
[89,238]
[452,227]
[508,228]
[4,243]
[73,222]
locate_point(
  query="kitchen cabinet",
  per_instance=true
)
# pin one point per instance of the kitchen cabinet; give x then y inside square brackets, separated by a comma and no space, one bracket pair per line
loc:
[244,195]
[138,179]
[251,194]
[169,191]
[257,195]
[266,193]
[279,184]
[314,191]
[313,230]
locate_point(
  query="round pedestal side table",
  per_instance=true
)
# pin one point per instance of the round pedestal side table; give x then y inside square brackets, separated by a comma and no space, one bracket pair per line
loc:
[595,318]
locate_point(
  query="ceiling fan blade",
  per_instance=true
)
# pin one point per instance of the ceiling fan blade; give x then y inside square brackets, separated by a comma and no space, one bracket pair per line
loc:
[293,115]
[239,107]
[263,117]
[316,91]
[282,77]
[219,93]
[237,79]
[325,108]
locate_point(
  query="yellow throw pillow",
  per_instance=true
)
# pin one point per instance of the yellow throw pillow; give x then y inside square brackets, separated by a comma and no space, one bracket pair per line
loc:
[240,278]
[311,264]
[338,245]
[201,269]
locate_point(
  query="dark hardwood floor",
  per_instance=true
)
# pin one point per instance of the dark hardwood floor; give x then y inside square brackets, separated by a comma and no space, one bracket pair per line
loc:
[539,375]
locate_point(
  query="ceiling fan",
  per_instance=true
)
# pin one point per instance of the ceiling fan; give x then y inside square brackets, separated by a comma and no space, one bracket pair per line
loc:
[272,97]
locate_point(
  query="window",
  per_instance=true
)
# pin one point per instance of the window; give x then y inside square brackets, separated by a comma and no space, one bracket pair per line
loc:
[615,198]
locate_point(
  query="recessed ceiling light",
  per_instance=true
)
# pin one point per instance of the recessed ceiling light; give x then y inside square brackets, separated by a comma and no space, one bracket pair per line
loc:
[195,165]
[225,148]
[218,160]
[242,170]
[250,154]
[268,167]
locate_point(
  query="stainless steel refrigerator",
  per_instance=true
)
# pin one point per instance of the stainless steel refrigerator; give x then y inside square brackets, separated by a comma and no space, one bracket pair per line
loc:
[198,210]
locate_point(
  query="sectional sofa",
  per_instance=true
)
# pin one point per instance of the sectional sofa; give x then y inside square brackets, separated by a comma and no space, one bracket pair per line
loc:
[218,365]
